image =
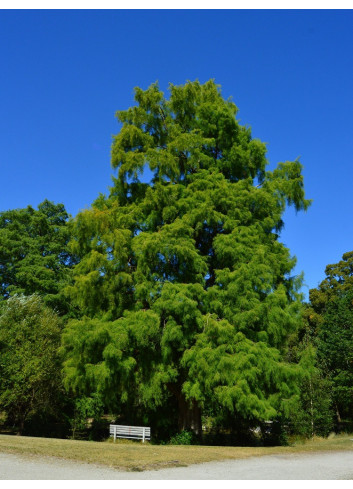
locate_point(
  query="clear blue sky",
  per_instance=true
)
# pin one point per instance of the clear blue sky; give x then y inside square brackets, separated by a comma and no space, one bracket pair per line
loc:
[65,73]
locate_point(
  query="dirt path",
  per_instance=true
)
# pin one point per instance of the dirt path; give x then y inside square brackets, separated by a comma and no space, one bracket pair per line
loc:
[320,466]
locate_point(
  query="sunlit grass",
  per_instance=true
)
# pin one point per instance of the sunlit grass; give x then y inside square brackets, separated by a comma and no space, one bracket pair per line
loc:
[126,455]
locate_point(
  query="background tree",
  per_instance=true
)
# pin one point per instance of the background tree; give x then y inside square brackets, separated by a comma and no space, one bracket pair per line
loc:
[33,253]
[184,289]
[338,281]
[330,317]
[313,414]
[29,362]
[335,349]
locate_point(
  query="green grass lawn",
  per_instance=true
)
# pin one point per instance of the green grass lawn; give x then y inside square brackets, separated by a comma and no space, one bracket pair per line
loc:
[126,455]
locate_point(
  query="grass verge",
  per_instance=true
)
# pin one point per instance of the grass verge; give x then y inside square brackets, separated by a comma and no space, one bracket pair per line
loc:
[135,456]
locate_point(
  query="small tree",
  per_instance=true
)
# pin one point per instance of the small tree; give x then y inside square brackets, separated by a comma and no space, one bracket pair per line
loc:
[85,407]
[313,414]
[29,365]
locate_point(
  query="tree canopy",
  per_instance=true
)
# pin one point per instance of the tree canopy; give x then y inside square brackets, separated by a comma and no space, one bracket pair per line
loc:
[330,320]
[33,253]
[184,288]
[338,280]
[29,362]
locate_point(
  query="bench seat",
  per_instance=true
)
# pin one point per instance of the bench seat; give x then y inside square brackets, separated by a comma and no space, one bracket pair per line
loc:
[131,432]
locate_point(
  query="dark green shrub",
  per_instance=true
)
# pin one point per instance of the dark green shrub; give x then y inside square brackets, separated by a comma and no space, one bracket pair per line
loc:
[183,438]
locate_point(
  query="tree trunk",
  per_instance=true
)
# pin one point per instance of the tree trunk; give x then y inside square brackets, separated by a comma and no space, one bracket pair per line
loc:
[189,415]
[21,426]
[311,409]
[338,415]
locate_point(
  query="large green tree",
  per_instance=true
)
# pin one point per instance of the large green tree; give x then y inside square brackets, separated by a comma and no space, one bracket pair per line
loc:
[185,291]
[33,253]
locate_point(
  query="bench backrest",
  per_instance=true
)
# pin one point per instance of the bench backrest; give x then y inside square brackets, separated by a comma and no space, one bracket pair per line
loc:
[133,432]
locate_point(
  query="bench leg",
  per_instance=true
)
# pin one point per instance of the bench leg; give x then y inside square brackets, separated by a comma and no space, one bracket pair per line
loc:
[143,435]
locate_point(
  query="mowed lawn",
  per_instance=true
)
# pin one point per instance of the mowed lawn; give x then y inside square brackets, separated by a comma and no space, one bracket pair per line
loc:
[136,456]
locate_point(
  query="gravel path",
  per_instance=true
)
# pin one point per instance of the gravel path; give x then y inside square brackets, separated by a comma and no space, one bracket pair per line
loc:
[320,466]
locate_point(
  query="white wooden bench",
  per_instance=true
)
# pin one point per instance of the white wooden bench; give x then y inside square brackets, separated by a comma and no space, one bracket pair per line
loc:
[133,432]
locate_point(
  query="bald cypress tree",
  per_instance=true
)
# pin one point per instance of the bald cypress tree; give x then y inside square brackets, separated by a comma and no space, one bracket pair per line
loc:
[184,287]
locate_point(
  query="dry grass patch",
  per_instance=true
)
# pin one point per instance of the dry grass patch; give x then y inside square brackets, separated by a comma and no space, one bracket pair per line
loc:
[137,456]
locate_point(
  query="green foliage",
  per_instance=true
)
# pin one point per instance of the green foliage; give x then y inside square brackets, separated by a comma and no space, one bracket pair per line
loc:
[29,363]
[33,253]
[313,414]
[183,287]
[335,349]
[330,319]
[339,279]
[85,407]
[244,376]
[183,438]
